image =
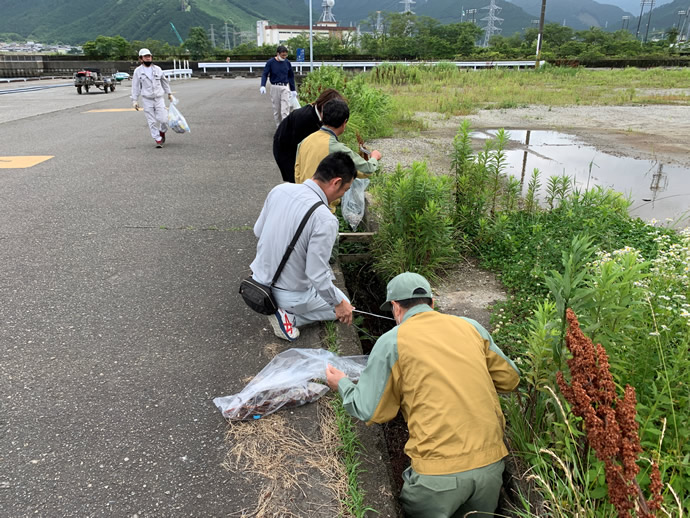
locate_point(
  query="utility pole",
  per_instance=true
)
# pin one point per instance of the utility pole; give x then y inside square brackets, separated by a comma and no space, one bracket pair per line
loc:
[473,17]
[682,27]
[639,19]
[540,36]
[649,20]
[311,39]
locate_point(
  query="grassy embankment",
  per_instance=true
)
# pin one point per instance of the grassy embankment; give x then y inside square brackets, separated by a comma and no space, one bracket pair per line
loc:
[627,281]
[453,92]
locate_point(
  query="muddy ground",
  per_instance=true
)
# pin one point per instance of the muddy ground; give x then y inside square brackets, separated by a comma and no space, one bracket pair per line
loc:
[645,132]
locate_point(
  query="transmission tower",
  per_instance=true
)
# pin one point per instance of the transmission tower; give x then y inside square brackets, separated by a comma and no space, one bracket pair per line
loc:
[379,23]
[226,44]
[407,6]
[326,11]
[213,37]
[492,21]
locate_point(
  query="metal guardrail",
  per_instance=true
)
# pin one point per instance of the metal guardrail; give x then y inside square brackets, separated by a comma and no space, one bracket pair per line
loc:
[299,66]
[178,73]
[13,79]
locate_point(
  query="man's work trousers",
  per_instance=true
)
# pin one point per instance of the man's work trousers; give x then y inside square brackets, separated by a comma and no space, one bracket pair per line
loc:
[446,496]
[156,116]
[307,306]
[280,98]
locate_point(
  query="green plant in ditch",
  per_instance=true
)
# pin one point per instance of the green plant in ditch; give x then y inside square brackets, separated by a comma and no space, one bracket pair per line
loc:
[567,287]
[533,186]
[416,232]
[350,447]
[557,189]
[470,177]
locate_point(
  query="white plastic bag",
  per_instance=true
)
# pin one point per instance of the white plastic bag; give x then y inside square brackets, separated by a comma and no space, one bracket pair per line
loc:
[353,202]
[286,381]
[175,119]
[294,103]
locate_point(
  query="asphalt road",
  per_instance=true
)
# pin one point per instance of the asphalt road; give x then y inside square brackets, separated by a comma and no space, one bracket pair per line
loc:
[119,318]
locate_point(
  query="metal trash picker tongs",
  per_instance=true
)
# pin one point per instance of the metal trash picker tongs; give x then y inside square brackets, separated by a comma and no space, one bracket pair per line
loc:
[373,314]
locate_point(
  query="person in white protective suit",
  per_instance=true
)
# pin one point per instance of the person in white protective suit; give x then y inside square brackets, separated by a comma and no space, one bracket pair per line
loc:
[149,82]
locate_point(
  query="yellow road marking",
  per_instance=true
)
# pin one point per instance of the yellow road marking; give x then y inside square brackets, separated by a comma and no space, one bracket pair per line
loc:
[20,162]
[111,110]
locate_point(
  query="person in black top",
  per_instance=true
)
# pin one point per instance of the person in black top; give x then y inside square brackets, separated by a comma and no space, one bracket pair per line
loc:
[296,127]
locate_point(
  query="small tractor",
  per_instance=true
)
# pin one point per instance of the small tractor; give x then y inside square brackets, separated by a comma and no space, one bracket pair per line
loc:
[85,79]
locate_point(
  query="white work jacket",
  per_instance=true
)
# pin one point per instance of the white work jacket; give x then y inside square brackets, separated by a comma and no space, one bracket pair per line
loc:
[142,84]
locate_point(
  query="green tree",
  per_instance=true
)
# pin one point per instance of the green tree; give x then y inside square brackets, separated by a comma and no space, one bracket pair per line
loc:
[467,37]
[198,44]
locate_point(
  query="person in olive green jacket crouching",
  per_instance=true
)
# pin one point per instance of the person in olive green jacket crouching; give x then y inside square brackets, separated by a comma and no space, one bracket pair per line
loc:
[443,372]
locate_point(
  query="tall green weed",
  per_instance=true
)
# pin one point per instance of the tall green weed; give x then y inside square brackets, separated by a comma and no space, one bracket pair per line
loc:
[414,208]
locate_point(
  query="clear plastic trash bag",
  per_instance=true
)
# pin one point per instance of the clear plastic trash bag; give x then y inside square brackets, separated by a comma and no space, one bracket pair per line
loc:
[294,103]
[176,120]
[353,202]
[286,382]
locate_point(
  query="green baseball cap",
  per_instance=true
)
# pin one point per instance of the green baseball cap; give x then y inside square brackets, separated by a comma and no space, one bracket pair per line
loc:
[405,286]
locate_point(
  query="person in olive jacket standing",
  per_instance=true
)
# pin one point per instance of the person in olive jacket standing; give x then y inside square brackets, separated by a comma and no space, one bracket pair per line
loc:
[295,128]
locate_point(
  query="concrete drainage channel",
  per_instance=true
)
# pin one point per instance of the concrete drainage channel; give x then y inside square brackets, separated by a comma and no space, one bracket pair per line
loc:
[466,291]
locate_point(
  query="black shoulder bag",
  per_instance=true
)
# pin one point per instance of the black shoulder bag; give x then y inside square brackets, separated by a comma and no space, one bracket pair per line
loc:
[259,296]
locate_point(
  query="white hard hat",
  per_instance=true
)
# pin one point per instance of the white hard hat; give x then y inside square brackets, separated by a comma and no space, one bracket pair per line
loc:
[145,52]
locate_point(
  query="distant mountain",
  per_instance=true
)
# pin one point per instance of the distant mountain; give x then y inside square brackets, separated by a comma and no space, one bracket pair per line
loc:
[77,21]
[580,15]
[634,5]
[446,11]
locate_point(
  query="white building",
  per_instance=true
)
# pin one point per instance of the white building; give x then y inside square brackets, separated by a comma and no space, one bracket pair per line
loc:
[279,34]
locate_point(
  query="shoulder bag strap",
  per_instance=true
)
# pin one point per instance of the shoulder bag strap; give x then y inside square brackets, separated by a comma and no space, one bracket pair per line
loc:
[292,244]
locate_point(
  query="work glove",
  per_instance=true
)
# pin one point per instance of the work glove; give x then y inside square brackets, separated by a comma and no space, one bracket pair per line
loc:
[262,90]
[170,97]
[294,94]
[135,105]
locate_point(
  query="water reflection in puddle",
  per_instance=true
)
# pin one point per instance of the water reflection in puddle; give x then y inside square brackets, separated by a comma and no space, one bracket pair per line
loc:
[657,190]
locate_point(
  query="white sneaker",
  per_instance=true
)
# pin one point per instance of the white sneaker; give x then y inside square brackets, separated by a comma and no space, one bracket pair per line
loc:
[283,324]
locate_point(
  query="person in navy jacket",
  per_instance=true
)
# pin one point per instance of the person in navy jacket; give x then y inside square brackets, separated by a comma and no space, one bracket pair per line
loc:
[279,70]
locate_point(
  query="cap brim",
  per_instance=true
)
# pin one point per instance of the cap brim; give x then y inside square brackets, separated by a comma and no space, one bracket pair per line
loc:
[386,306]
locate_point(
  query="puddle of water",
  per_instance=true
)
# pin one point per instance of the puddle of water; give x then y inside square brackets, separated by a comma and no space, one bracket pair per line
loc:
[657,190]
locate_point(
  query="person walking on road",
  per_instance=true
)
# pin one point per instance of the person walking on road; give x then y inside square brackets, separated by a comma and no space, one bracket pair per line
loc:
[304,292]
[443,372]
[295,128]
[150,83]
[279,70]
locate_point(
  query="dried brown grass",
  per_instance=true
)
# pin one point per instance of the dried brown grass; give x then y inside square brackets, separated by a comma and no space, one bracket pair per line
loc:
[276,456]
